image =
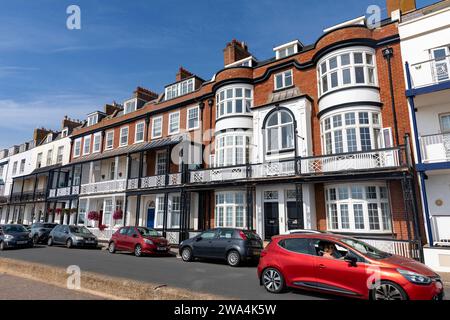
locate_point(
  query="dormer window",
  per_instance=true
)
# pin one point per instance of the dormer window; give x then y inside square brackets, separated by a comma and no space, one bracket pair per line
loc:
[287,49]
[49,138]
[130,106]
[92,119]
[64,132]
[180,88]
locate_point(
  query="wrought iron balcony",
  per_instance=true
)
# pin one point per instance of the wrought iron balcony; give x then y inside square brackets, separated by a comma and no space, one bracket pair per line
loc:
[346,162]
[435,147]
[104,187]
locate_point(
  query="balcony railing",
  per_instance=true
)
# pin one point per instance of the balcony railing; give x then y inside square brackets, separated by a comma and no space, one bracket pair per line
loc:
[158,181]
[355,161]
[104,187]
[430,72]
[435,147]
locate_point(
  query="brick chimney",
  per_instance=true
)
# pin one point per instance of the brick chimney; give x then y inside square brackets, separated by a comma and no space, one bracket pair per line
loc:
[69,123]
[145,94]
[183,74]
[403,5]
[40,134]
[235,51]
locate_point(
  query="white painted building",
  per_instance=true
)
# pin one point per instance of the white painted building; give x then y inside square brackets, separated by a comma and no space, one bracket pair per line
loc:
[425,43]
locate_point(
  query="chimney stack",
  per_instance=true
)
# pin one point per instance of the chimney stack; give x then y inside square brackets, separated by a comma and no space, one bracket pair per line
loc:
[39,135]
[145,94]
[235,51]
[183,74]
[70,123]
[111,108]
[404,6]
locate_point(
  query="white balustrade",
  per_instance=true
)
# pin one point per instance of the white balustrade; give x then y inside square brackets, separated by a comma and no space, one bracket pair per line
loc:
[430,72]
[104,187]
[273,169]
[436,147]
[61,192]
[153,181]
[133,183]
[52,193]
[174,179]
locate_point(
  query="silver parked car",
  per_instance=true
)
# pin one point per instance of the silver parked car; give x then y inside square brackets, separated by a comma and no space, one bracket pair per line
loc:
[72,236]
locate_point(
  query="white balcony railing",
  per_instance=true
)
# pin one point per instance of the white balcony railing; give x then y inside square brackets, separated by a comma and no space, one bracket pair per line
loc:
[441,227]
[351,161]
[435,148]
[376,159]
[104,187]
[61,192]
[430,72]
[52,193]
[133,184]
[160,181]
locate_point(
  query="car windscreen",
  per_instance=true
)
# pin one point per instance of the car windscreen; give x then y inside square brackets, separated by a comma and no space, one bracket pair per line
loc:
[81,230]
[365,248]
[17,228]
[48,225]
[145,232]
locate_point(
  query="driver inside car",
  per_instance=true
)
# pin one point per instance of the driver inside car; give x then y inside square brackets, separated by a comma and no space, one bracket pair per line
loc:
[330,252]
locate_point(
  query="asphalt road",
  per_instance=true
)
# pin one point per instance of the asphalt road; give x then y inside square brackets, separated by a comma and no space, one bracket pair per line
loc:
[209,277]
[15,288]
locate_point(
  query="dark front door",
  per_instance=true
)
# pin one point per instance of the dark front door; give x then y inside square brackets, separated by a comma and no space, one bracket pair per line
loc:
[150,217]
[271,221]
[295,217]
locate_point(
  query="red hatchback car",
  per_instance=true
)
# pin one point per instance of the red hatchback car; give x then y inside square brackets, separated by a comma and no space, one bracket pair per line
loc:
[139,240]
[344,266]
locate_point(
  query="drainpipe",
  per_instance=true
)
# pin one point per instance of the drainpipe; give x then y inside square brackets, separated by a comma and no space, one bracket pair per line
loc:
[387,54]
[427,212]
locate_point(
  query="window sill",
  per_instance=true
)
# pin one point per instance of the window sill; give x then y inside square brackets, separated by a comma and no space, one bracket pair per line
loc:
[284,88]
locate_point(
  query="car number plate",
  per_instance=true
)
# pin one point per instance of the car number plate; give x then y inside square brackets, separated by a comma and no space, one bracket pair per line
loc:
[90,241]
[162,248]
[22,242]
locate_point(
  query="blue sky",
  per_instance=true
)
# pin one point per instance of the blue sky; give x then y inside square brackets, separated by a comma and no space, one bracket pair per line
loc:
[48,71]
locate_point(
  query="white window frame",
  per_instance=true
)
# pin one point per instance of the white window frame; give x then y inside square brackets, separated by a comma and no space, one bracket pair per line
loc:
[122,130]
[136,140]
[284,75]
[157,162]
[174,223]
[326,71]
[39,160]
[384,221]
[159,135]
[169,127]
[159,212]
[14,168]
[22,166]
[126,110]
[75,148]
[441,124]
[375,141]
[226,201]
[49,158]
[228,97]
[227,147]
[180,88]
[188,118]
[64,132]
[92,120]
[60,154]
[279,128]
[98,136]
[87,146]
[109,147]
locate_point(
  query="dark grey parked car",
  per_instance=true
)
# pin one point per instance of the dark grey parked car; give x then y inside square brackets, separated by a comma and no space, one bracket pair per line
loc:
[40,231]
[14,236]
[72,236]
[232,245]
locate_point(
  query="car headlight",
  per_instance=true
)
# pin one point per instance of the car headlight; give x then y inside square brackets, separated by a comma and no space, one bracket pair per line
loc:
[147,241]
[79,238]
[8,237]
[414,277]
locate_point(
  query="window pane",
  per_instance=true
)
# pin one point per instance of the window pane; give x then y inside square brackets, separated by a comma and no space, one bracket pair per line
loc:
[350,118]
[359,216]
[279,81]
[229,107]
[346,76]
[287,137]
[238,93]
[324,84]
[359,74]
[288,79]
[273,139]
[371,75]
[338,145]
[371,192]
[323,67]
[229,93]
[332,194]
[285,117]
[365,139]
[364,118]
[345,59]
[337,121]
[333,63]
[374,220]
[358,57]
[334,79]
[273,120]
[345,221]
[369,58]
[332,216]
[328,143]
[357,192]
[351,140]
[239,106]
[386,216]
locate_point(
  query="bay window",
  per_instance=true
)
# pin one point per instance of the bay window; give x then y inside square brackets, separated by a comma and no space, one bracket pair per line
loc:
[350,131]
[230,209]
[349,67]
[280,131]
[232,149]
[234,100]
[358,208]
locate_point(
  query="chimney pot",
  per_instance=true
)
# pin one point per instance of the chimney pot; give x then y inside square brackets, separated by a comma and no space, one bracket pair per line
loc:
[235,51]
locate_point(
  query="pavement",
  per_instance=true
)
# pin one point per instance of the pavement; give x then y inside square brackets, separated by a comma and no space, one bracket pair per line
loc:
[200,276]
[17,288]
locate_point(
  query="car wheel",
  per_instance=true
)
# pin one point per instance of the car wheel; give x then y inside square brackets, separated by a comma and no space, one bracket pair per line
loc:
[273,280]
[387,290]
[138,250]
[233,258]
[2,246]
[69,243]
[35,239]
[50,241]
[186,254]
[112,247]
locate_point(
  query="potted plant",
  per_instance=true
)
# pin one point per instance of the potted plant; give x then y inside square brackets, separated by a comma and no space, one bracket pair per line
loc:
[102,227]
[93,216]
[73,210]
[117,215]
[58,211]
[66,211]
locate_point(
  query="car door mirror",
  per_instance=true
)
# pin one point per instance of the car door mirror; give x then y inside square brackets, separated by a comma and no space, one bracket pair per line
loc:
[351,259]
[135,235]
[199,239]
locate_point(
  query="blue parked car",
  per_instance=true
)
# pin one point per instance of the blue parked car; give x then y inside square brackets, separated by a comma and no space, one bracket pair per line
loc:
[14,236]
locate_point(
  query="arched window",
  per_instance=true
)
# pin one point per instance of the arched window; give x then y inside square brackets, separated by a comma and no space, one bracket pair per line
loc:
[280,131]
